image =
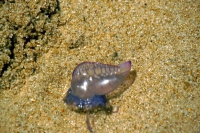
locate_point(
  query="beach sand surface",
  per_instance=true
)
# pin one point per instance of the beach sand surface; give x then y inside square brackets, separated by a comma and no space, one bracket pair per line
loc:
[43,41]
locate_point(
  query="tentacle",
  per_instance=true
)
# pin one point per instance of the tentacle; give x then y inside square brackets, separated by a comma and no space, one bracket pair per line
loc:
[89,127]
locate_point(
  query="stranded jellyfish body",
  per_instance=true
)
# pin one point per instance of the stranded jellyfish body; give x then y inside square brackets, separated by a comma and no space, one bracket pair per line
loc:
[91,81]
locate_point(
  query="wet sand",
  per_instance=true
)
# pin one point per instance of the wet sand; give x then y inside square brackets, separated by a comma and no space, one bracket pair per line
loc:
[42,42]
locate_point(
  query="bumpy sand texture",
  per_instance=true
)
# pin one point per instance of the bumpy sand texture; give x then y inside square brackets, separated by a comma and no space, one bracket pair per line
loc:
[41,43]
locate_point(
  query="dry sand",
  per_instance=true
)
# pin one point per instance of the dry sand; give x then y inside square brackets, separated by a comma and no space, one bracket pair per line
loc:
[42,42]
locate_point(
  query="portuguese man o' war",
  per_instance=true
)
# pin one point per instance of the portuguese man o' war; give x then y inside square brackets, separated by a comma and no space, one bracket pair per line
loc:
[91,81]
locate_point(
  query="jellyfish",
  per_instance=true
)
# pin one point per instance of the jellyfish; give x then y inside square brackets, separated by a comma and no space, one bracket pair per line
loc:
[91,81]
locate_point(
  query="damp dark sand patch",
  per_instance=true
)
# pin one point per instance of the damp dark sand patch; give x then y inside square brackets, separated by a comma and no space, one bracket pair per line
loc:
[41,46]
[28,29]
